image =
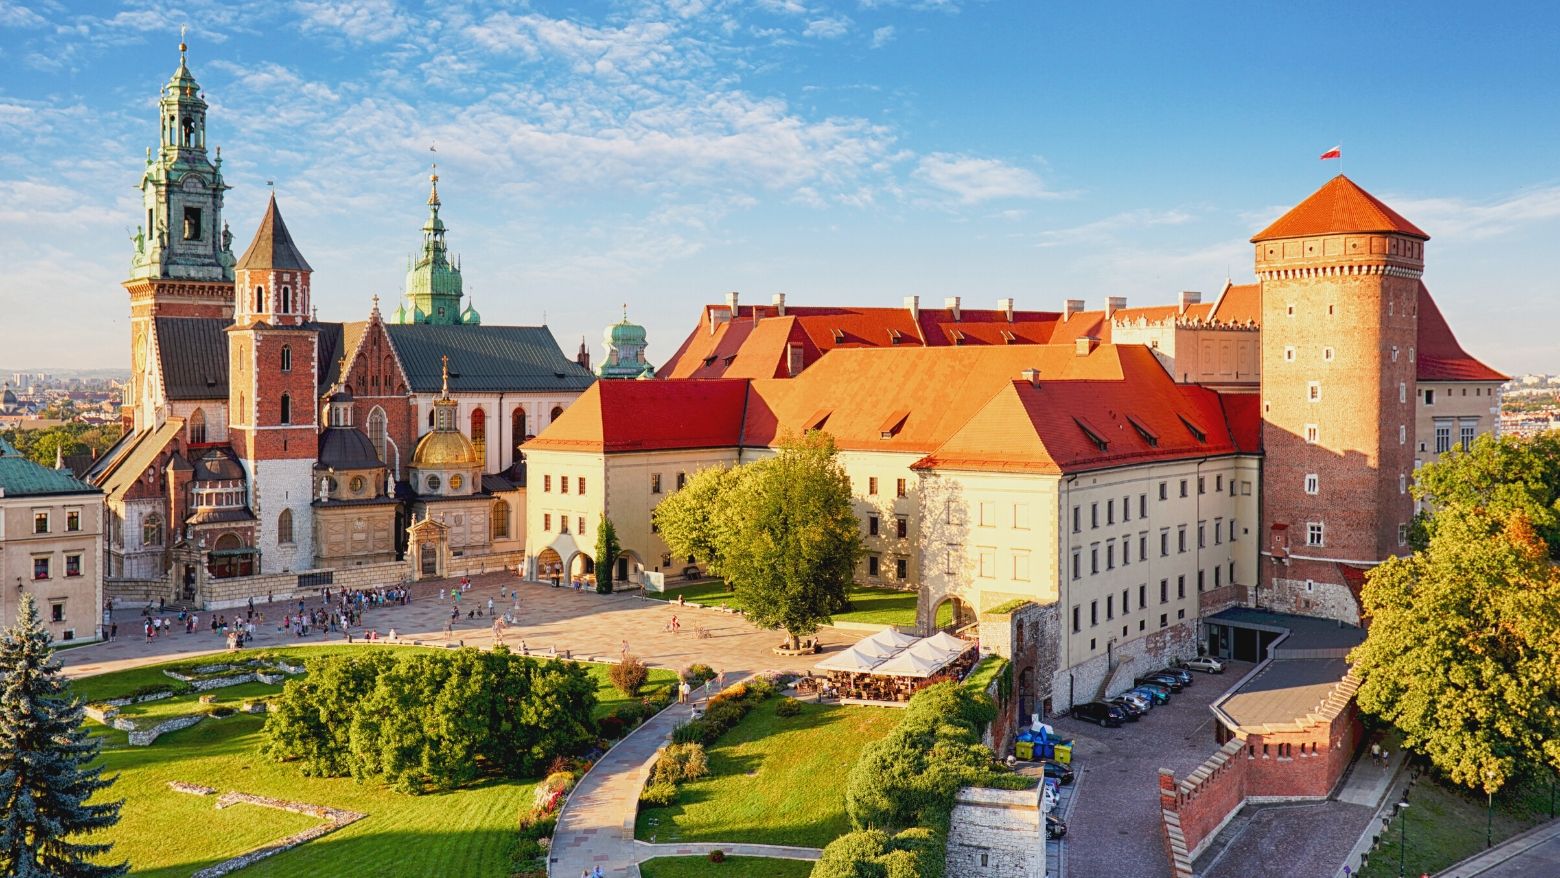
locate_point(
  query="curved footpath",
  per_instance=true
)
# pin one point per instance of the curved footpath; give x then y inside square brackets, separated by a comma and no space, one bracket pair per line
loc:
[596,823]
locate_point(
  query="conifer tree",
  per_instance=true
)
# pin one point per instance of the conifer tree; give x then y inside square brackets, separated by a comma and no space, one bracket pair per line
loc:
[45,754]
[607,549]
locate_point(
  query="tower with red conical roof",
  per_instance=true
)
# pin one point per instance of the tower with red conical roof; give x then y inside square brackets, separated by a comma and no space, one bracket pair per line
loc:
[1340,276]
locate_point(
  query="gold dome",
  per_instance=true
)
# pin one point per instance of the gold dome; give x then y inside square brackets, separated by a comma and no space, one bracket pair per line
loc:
[444,449]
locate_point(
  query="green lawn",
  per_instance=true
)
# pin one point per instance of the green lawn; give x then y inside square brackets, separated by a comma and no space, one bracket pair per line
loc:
[773,780]
[164,834]
[1446,825]
[747,867]
[872,606]
[984,672]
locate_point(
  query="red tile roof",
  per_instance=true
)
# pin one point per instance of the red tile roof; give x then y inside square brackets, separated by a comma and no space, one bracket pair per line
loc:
[615,416]
[1440,357]
[1339,206]
[1239,303]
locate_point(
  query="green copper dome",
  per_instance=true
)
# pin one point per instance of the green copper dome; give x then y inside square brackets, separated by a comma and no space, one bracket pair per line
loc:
[619,334]
[470,317]
[433,282]
[625,343]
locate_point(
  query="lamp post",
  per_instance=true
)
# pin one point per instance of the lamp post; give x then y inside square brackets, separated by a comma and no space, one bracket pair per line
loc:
[1489,809]
[1402,833]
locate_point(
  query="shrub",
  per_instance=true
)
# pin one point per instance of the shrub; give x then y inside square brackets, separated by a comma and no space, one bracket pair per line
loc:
[788,707]
[217,710]
[680,762]
[658,795]
[629,675]
[611,727]
[717,856]
[698,674]
[631,714]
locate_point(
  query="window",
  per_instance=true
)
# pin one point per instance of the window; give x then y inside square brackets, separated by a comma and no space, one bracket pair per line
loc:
[872,525]
[1202,485]
[500,519]
[1402,534]
[1094,515]
[1289,310]
[197,427]
[1218,577]
[1183,488]
[259,299]
[284,526]
[1430,397]
[57,609]
[1201,579]
[1077,621]
[1110,607]
[579,485]
[1218,483]
[1077,519]
[1402,483]
[1126,551]
[1110,511]
[655,483]
[682,479]
[479,434]
[951,560]
[151,531]
[1313,391]
[1164,543]
[555,414]
[516,425]
[286,358]
[1094,613]
[901,526]
[1126,602]
[563,524]
[1021,516]
[1077,564]
[1402,434]
[1443,437]
[547,521]
[1466,429]
[456,481]
[40,522]
[1180,587]
[988,513]
[73,520]
[1313,534]
[192,224]
[1094,559]
[378,431]
[1143,596]
[1110,555]
[433,484]
[899,488]
[546,483]
[1402,390]
[1289,353]
[872,486]
[1232,530]
[1202,534]
[563,484]
[1021,566]
[1312,434]
[1143,505]
[1164,591]
[1327,355]
[287,300]
[1164,490]
[579,525]
[41,567]
[1143,546]
[286,410]
[872,565]
[901,569]
[72,568]
[1394,353]
[1126,508]
[1180,539]
[1164,620]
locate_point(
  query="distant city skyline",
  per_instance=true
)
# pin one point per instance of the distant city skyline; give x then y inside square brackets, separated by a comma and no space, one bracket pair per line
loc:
[663,153]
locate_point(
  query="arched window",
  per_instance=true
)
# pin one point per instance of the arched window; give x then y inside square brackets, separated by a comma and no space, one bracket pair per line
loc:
[377,431]
[227,543]
[517,427]
[479,435]
[284,533]
[152,530]
[286,358]
[500,520]
[197,427]
[286,300]
[557,412]
[259,300]
[286,417]
[430,419]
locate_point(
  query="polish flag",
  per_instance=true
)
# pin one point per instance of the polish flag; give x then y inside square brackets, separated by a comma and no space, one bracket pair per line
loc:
[1334,153]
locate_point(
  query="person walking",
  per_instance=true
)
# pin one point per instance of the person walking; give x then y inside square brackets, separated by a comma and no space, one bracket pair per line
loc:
[682,692]
[1375,753]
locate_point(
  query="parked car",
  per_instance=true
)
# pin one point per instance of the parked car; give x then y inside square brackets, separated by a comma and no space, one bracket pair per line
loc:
[1100,712]
[1155,693]
[1184,676]
[1059,772]
[1134,712]
[1054,827]
[1143,702]
[1164,680]
[1205,664]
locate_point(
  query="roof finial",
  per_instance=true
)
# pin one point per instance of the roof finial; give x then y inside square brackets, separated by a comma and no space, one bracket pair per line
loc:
[183,29]
[433,177]
[625,312]
[446,360]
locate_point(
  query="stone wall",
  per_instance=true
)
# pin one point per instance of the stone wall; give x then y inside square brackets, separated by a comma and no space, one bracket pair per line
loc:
[1026,637]
[997,834]
[136,592]
[1085,681]
[145,737]
[476,565]
[1306,591]
[221,594]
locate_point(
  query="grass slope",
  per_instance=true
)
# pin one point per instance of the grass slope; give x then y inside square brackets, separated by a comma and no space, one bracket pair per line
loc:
[1447,825]
[746,867]
[872,606]
[773,780]
[164,834]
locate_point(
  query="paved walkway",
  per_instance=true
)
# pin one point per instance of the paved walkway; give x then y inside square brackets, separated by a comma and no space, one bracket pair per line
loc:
[584,624]
[1531,854]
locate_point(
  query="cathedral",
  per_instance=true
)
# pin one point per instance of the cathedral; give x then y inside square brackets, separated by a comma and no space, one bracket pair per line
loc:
[260,439]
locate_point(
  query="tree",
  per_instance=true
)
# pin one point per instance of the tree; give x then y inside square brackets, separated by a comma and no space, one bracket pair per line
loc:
[607,548]
[1463,644]
[1500,476]
[45,751]
[685,520]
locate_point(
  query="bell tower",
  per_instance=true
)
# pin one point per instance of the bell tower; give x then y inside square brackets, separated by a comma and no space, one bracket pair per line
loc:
[182,264]
[433,282]
[1340,279]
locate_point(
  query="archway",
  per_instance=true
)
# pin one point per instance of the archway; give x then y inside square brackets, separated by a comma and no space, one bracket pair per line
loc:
[630,567]
[582,564]
[951,614]
[549,564]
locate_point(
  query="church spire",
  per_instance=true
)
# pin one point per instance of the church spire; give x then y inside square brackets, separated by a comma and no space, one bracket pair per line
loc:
[433,281]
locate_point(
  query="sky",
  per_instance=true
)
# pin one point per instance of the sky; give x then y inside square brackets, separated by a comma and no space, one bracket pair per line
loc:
[659,154]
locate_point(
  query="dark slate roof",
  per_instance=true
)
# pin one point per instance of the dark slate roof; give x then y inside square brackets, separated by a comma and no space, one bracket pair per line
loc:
[332,348]
[218,465]
[486,358]
[20,477]
[193,352]
[216,516]
[347,448]
[495,484]
[273,246]
[1305,632]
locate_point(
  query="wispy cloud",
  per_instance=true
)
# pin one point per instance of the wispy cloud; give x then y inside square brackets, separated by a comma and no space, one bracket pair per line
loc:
[1111,227]
[17,15]
[971,180]
[360,21]
[882,36]
[1461,219]
[831,28]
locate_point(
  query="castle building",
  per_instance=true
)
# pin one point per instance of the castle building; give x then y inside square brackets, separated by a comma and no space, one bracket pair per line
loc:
[51,538]
[261,441]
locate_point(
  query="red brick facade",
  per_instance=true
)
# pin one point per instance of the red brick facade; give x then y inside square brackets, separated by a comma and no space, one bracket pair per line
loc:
[377,383]
[271,370]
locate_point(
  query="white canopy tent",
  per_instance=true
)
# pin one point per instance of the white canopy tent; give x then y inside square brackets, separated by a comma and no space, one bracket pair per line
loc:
[853,660]
[909,664]
[895,638]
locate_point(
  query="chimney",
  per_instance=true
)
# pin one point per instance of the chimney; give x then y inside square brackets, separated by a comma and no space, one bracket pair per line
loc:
[731,302]
[780,304]
[913,305]
[1114,304]
[1032,376]
[1189,298]
[1071,307]
[1085,345]
[952,304]
[1006,307]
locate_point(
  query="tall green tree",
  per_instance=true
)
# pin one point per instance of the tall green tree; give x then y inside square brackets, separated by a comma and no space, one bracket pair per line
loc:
[45,753]
[607,549]
[781,530]
[1500,477]
[1464,646]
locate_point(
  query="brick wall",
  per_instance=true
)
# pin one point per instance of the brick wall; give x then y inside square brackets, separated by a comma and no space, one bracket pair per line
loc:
[1195,809]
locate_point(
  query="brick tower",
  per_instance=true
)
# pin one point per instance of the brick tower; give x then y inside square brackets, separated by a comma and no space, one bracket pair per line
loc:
[183,260]
[1340,275]
[272,392]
